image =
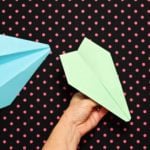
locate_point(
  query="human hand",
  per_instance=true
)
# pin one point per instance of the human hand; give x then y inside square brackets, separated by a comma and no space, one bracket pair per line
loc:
[81,116]
[84,113]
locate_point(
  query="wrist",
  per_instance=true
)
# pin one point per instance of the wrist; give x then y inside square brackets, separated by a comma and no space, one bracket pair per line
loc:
[65,135]
[70,129]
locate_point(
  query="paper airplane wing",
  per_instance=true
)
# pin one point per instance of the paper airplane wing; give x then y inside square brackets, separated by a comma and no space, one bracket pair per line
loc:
[86,70]
[13,45]
[17,66]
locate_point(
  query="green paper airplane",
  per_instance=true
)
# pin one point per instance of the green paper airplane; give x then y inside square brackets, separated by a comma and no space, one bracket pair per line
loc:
[91,70]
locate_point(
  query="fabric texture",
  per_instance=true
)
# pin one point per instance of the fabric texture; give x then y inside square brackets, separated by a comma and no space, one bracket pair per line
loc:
[121,27]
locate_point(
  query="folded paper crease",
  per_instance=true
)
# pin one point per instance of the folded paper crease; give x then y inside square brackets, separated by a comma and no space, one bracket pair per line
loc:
[91,70]
[18,65]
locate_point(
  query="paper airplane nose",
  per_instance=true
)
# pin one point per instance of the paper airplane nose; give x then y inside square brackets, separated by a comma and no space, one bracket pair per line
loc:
[19,59]
[91,71]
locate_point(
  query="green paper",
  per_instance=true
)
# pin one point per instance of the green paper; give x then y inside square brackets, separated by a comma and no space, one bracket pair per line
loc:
[91,70]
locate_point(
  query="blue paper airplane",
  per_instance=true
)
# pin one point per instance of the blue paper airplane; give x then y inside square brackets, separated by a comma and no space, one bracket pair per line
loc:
[19,59]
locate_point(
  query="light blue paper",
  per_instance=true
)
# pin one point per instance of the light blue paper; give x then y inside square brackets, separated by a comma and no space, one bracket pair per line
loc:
[19,59]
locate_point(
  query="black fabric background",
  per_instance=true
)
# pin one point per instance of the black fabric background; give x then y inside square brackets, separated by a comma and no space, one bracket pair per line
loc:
[28,121]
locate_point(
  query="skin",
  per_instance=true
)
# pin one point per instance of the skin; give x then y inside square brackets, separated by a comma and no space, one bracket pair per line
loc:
[82,115]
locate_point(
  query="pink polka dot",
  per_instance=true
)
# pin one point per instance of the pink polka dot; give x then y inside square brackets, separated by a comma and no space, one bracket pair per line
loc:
[120,27]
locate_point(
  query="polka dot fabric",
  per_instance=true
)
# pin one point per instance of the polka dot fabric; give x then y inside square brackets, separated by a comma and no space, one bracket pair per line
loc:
[121,27]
